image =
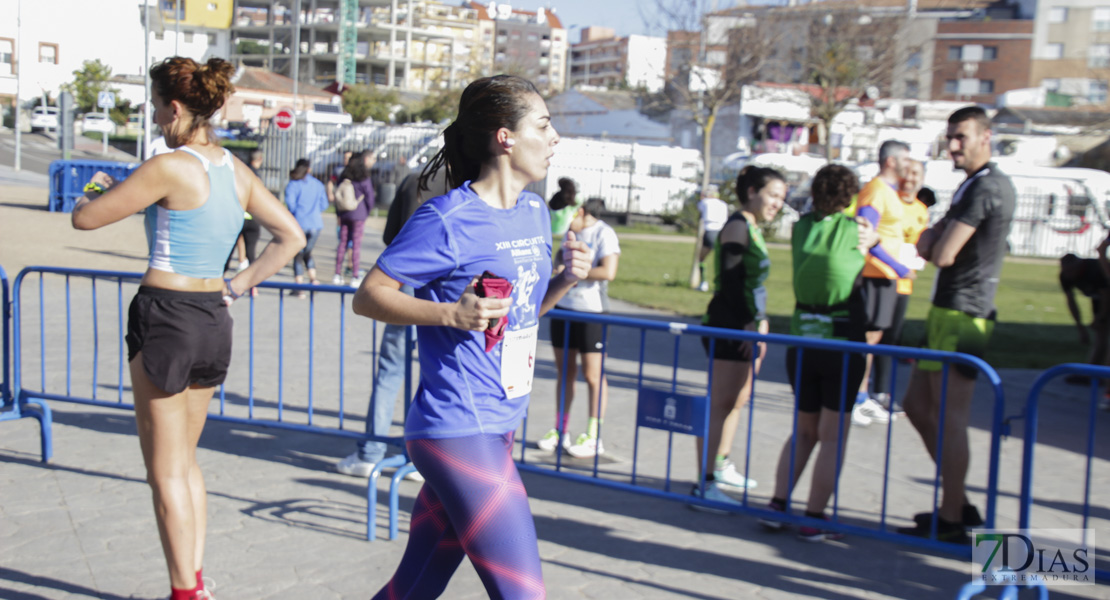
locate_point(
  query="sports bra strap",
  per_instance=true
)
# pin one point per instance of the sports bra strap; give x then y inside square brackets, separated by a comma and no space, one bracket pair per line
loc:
[228,160]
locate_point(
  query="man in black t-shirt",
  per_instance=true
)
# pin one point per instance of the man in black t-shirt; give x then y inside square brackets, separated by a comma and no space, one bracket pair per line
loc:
[1085,275]
[968,246]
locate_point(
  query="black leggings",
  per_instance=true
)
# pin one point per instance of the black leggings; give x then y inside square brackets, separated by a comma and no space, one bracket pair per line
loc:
[882,365]
[249,233]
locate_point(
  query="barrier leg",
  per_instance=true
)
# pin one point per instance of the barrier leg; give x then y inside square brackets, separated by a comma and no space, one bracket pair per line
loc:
[394,493]
[372,496]
[46,426]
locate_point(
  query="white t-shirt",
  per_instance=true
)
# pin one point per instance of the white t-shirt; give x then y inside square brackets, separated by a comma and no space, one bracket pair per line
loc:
[586,296]
[714,212]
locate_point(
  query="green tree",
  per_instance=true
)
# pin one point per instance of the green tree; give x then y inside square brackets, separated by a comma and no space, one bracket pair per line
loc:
[88,81]
[362,101]
[120,112]
[435,107]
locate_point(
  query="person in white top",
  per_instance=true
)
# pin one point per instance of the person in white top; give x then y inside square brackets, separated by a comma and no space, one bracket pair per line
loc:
[714,213]
[585,339]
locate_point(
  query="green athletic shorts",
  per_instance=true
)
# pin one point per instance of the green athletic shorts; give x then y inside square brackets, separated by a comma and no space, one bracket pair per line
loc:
[956,331]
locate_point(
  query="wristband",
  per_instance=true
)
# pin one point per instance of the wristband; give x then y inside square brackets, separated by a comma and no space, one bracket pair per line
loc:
[231,292]
[93,186]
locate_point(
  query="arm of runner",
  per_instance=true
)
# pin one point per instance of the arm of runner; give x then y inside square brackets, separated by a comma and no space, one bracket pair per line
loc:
[951,242]
[379,297]
[148,184]
[288,239]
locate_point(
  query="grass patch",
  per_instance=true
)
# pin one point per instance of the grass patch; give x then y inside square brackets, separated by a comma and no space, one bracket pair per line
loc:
[1034,330]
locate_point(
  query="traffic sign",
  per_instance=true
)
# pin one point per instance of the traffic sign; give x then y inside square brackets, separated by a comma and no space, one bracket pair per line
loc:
[106,100]
[284,119]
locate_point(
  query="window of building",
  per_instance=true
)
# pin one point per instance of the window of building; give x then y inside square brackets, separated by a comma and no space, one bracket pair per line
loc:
[532,37]
[188,37]
[7,56]
[48,53]
[1050,85]
[986,86]
[1097,92]
[1098,56]
[657,170]
[951,86]
[159,36]
[1053,51]
[914,60]
[912,89]
[623,164]
[990,52]
[1058,14]
[211,39]
[954,52]
[1100,20]
[909,113]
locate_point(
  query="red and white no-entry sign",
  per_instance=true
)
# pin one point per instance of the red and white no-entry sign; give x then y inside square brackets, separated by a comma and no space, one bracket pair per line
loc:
[284,119]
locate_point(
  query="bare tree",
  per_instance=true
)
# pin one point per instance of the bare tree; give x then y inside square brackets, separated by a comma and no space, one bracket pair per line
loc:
[710,58]
[847,54]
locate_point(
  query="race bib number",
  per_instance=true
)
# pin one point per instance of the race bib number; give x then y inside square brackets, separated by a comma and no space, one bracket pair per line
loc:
[518,361]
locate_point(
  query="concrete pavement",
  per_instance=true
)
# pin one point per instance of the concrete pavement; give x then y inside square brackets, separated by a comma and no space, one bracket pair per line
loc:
[283,524]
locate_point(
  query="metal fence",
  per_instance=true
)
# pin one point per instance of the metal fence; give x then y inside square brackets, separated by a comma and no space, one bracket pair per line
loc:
[399,149]
[69,328]
[1057,499]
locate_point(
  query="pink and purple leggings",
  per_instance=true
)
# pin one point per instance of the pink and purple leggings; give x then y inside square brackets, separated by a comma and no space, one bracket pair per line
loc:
[472,504]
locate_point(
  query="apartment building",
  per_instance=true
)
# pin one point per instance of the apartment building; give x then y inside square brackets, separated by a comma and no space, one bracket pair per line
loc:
[601,59]
[415,45]
[977,60]
[43,50]
[1071,49]
[531,44]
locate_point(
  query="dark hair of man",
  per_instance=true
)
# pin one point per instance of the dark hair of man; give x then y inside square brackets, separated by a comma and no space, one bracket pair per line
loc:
[594,207]
[755,179]
[833,188]
[892,149]
[356,168]
[487,104]
[300,169]
[971,113]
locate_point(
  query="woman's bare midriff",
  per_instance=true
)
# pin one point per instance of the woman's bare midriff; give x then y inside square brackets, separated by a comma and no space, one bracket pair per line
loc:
[182,283]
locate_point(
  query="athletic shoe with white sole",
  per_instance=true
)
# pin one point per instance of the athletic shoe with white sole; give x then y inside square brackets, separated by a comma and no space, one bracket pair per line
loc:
[872,410]
[725,473]
[354,466]
[771,524]
[586,447]
[337,280]
[808,533]
[858,418]
[550,441]
[713,492]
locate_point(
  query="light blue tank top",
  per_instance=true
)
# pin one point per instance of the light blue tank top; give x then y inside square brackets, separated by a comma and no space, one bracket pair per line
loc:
[197,242]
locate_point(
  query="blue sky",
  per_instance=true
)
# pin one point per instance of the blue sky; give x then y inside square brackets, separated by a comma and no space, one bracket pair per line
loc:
[621,15]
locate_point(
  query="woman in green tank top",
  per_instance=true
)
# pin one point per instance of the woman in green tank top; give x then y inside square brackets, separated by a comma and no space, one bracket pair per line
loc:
[828,249]
[739,302]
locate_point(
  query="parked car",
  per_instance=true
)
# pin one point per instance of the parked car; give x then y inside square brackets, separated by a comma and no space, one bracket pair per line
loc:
[98,122]
[134,125]
[44,117]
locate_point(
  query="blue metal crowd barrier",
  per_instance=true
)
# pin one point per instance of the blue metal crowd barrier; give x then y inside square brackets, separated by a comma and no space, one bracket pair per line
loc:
[259,394]
[12,405]
[1031,415]
[697,393]
[68,179]
[1006,592]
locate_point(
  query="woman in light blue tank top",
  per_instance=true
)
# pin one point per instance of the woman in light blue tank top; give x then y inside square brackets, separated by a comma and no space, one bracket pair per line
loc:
[179,329]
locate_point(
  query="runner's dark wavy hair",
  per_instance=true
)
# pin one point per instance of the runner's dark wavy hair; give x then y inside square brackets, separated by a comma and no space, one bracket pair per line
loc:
[833,188]
[487,104]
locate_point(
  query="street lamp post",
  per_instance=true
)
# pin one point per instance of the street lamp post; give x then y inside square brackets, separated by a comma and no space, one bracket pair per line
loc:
[18,80]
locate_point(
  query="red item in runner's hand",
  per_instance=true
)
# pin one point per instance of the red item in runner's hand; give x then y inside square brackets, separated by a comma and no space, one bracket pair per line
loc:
[492,286]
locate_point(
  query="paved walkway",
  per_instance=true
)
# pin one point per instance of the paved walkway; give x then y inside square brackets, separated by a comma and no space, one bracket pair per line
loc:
[283,524]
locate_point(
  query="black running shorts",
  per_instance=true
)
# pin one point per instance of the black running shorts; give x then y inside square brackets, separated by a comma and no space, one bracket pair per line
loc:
[184,337]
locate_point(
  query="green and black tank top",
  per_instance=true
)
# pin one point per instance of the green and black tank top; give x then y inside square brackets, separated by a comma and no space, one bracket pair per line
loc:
[742,269]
